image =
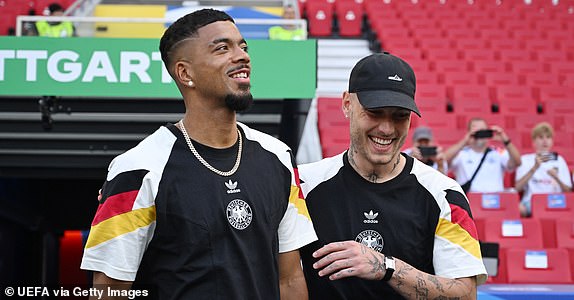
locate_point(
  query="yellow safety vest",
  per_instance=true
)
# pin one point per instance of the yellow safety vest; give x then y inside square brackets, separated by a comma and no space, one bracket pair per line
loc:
[64,29]
[280,33]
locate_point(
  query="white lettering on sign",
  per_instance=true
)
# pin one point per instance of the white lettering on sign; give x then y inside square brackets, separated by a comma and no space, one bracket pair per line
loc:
[100,66]
[31,57]
[165,77]
[3,55]
[72,69]
[69,66]
[134,62]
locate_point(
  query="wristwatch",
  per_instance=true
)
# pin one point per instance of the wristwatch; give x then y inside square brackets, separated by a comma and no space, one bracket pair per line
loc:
[389,265]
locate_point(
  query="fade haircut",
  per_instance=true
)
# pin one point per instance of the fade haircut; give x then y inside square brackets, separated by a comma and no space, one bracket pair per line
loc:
[186,27]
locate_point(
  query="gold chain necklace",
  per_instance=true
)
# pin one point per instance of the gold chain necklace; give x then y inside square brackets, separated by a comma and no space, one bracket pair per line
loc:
[205,163]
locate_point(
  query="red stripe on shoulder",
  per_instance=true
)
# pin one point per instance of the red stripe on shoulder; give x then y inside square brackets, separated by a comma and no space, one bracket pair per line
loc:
[115,205]
[298,183]
[460,216]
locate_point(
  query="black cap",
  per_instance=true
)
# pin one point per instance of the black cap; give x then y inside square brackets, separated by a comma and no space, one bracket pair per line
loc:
[382,80]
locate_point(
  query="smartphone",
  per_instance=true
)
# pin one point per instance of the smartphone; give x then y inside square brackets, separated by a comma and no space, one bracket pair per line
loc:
[427,151]
[485,133]
[549,156]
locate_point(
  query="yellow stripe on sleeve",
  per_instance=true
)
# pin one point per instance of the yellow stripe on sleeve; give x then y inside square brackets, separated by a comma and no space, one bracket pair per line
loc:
[298,202]
[120,224]
[457,235]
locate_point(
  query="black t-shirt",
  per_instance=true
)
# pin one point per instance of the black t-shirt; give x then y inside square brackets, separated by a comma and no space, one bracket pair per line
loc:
[420,217]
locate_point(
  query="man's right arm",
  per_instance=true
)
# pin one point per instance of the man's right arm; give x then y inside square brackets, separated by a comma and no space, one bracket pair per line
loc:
[103,284]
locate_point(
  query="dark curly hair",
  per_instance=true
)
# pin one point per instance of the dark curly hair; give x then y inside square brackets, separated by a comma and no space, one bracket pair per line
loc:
[186,27]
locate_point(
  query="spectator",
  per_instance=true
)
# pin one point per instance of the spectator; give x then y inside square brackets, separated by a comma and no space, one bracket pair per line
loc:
[425,150]
[287,32]
[171,219]
[543,171]
[465,158]
[55,29]
[389,226]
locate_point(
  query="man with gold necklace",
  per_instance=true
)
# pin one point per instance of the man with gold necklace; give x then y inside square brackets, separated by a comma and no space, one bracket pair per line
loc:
[207,208]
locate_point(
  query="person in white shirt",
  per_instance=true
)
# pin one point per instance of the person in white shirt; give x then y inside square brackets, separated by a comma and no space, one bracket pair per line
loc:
[425,150]
[464,158]
[543,171]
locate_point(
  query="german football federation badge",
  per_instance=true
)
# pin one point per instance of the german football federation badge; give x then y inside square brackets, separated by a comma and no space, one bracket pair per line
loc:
[239,214]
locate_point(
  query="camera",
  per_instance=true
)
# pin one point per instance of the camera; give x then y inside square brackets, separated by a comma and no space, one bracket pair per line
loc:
[485,133]
[428,151]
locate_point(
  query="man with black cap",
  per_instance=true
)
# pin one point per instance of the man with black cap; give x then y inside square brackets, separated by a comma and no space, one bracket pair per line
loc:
[389,226]
[425,150]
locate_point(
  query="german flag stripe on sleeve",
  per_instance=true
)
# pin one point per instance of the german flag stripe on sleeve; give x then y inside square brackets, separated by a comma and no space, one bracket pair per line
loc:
[460,212]
[459,236]
[298,201]
[119,195]
[119,225]
[123,182]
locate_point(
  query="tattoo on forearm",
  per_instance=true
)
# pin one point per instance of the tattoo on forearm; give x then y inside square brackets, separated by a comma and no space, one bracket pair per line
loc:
[436,283]
[421,290]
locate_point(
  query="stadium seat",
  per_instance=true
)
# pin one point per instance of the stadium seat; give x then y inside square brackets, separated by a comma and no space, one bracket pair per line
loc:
[538,266]
[452,79]
[320,17]
[489,67]
[445,66]
[514,233]
[350,18]
[492,206]
[565,238]
[524,121]
[471,99]
[515,99]
[431,97]
[550,207]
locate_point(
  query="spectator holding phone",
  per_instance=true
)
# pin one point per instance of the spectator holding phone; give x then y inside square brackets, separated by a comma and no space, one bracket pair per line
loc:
[543,171]
[425,150]
[478,167]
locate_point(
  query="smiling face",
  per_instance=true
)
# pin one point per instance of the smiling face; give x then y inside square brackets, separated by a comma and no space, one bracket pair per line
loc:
[217,63]
[377,135]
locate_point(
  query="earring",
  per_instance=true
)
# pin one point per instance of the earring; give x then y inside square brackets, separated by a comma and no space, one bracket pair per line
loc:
[190,83]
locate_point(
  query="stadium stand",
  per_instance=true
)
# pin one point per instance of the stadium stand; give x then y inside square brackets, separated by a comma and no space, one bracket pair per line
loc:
[538,266]
[549,208]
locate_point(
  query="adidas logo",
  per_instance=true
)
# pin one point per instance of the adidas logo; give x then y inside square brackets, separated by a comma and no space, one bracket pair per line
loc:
[232,187]
[395,78]
[371,217]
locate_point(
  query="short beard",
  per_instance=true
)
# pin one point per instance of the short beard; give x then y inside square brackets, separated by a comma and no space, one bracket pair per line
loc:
[239,102]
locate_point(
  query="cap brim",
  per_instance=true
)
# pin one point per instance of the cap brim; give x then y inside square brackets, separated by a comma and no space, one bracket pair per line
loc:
[387,98]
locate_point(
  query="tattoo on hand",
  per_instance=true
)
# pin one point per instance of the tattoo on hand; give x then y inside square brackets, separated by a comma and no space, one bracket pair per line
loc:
[377,266]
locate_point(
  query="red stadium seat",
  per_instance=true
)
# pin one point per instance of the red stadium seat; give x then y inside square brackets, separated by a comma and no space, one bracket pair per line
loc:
[492,206]
[471,99]
[550,207]
[490,67]
[452,79]
[451,66]
[565,238]
[542,266]
[350,17]
[514,234]
[431,97]
[515,100]
[320,16]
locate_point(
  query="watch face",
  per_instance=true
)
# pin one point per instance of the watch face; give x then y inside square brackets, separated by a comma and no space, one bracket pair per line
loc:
[389,263]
